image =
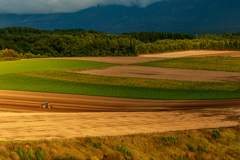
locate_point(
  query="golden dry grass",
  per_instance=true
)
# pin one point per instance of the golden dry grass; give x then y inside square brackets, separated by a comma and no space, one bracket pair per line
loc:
[194,144]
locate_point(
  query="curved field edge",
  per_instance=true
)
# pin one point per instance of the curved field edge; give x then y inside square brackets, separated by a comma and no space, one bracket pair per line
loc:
[35,84]
[36,65]
[222,143]
[229,64]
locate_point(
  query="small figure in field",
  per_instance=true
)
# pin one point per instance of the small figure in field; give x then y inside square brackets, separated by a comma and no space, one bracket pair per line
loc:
[46,105]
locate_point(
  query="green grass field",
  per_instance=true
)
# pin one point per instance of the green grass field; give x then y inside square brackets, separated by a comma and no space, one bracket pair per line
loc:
[229,64]
[25,83]
[33,75]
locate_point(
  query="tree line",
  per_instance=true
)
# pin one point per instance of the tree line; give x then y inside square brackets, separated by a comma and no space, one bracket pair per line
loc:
[30,42]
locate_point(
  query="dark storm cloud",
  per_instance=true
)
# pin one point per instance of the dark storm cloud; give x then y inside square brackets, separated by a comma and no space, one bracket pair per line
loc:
[59,6]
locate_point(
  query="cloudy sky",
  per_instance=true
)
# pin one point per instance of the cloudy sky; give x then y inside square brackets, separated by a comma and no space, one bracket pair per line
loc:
[59,6]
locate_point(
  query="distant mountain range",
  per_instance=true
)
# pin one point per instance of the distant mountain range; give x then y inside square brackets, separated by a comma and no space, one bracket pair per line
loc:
[185,16]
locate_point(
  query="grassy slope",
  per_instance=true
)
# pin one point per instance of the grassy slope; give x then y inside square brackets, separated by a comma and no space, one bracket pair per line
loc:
[223,143]
[34,65]
[203,63]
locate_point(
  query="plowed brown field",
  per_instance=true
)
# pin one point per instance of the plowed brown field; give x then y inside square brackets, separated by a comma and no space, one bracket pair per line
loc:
[75,116]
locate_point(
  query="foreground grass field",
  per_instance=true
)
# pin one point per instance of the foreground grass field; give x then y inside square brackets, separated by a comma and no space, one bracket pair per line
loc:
[205,144]
[229,64]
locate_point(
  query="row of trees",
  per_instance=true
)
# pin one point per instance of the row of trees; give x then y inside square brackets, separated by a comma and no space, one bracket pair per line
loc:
[56,45]
[30,42]
[180,45]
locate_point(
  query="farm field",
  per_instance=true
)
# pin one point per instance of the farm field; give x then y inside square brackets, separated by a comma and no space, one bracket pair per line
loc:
[97,105]
[125,81]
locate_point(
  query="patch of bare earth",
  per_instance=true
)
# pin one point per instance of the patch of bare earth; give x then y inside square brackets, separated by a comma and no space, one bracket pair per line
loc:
[165,73]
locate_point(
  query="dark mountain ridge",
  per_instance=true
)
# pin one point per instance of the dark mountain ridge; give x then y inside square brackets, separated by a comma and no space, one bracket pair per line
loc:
[185,16]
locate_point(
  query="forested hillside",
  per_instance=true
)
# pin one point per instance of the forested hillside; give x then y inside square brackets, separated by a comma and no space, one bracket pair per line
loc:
[30,42]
